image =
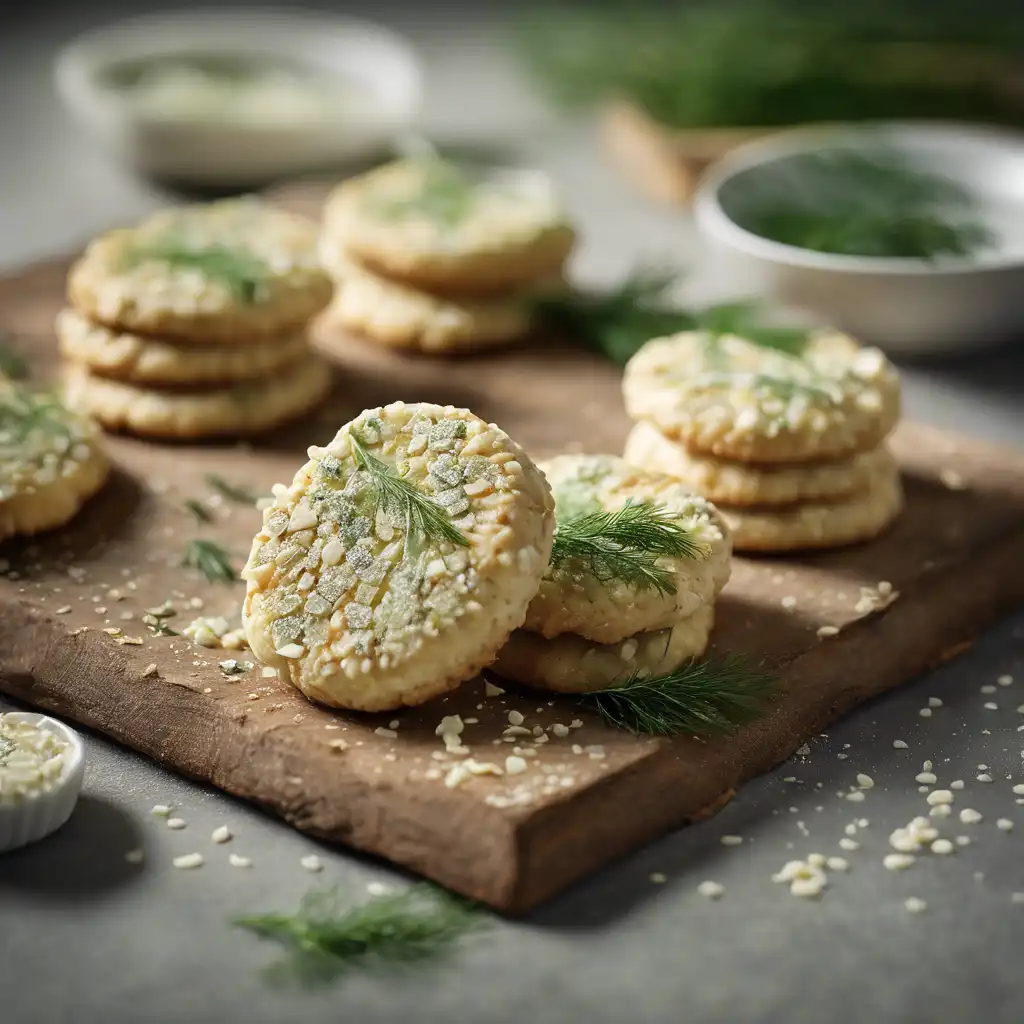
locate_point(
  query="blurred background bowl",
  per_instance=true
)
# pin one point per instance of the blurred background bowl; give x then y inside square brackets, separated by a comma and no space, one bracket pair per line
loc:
[367,80]
[909,306]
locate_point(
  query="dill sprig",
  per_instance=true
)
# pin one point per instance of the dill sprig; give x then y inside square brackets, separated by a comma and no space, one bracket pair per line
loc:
[618,323]
[13,364]
[242,273]
[210,559]
[702,698]
[625,545]
[232,492]
[870,202]
[445,194]
[199,510]
[324,940]
[424,519]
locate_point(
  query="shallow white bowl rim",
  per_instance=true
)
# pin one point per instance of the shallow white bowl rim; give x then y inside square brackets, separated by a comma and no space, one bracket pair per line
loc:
[76,749]
[712,219]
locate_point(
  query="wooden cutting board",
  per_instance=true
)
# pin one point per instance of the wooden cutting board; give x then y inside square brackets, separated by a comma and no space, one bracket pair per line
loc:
[954,561]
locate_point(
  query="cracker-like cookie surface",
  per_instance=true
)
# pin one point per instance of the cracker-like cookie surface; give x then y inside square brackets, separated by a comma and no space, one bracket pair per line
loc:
[51,461]
[745,483]
[358,608]
[728,397]
[399,316]
[244,408]
[572,599]
[433,224]
[570,664]
[229,271]
[857,518]
[142,359]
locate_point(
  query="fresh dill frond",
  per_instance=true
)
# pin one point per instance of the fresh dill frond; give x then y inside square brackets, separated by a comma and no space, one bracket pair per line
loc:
[13,364]
[160,628]
[324,940]
[424,520]
[232,492]
[624,546]
[446,195]
[242,273]
[874,201]
[702,698]
[199,510]
[210,559]
[618,323]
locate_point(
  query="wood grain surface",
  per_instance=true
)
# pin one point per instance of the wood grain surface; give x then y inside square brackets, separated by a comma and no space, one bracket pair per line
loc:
[954,559]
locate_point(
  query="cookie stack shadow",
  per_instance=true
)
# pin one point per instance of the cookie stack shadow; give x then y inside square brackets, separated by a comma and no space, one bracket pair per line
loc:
[418,267]
[791,449]
[194,323]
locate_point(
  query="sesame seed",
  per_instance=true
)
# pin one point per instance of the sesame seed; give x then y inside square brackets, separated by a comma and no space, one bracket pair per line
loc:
[711,890]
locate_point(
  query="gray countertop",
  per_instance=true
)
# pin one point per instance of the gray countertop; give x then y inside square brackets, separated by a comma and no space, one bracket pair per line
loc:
[86,938]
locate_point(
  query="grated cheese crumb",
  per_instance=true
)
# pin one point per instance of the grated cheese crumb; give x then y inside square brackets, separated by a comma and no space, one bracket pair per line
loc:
[899,745]
[711,890]
[222,835]
[915,905]
[898,861]
[237,861]
[1004,825]
[969,816]
[312,863]
[177,824]
[188,862]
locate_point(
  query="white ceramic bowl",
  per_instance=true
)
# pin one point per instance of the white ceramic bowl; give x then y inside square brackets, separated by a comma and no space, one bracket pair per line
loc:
[35,817]
[379,68]
[908,306]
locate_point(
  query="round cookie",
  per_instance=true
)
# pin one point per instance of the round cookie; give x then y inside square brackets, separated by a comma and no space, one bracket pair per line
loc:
[359,611]
[571,599]
[143,360]
[726,396]
[739,483]
[245,408]
[822,524]
[399,316]
[232,271]
[570,664]
[441,227]
[51,461]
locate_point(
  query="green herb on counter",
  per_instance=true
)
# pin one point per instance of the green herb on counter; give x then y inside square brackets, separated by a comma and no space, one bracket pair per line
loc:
[324,940]
[13,364]
[625,546]
[210,559]
[424,520]
[200,511]
[859,203]
[703,698]
[239,495]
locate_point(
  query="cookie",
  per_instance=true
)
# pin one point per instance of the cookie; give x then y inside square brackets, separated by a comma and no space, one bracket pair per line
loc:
[398,316]
[245,408]
[400,558]
[441,227]
[574,599]
[744,483]
[728,397]
[822,524]
[51,462]
[570,664]
[231,272]
[144,360]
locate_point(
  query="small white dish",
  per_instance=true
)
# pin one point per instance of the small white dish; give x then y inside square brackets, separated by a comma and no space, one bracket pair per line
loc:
[908,306]
[343,89]
[35,816]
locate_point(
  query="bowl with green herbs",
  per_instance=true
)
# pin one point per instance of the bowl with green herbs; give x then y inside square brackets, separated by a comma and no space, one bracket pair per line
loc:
[910,236]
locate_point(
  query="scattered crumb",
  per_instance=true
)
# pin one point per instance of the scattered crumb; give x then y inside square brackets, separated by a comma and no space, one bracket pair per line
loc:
[658,878]
[957,784]
[135,856]
[899,745]
[377,889]
[188,861]
[984,777]
[963,840]
[515,765]
[1004,825]
[177,824]
[312,863]
[237,861]
[928,778]
[149,670]
[849,844]
[824,631]
[788,602]
[951,479]
[865,781]
[943,847]
[898,861]
[969,816]
[490,690]
[934,702]
[925,712]
[990,705]
[939,796]
[915,905]
[837,864]
[1005,680]
[731,840]
[160,811]
[388,734]
[711,890]
[222,835]
[857,796]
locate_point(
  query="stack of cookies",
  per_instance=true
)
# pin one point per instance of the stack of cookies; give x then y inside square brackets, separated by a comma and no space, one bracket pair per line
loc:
[194,323]
[593,623]
[789,444]
[430,257]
